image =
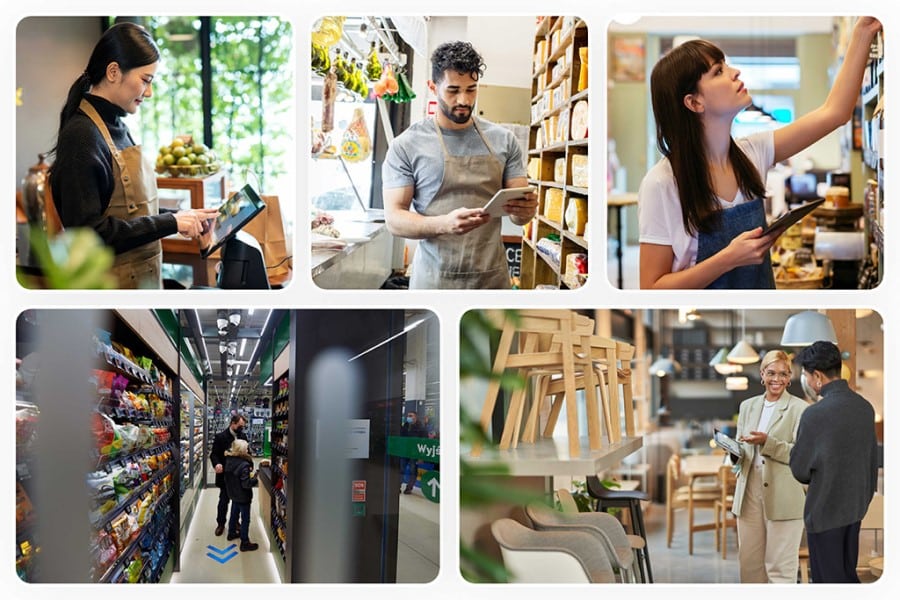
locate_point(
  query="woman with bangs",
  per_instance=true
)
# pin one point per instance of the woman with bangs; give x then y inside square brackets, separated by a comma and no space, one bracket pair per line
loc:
[700,208]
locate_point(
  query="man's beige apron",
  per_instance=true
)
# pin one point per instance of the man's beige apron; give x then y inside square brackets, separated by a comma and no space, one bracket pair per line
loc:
[475,260]
[134,195]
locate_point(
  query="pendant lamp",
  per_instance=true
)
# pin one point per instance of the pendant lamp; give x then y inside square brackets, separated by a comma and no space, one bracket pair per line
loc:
[736,383]
[666,363]
[807,327]
[720,363]
[743,353]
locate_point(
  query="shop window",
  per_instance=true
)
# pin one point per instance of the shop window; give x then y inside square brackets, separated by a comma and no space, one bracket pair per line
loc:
[248,118]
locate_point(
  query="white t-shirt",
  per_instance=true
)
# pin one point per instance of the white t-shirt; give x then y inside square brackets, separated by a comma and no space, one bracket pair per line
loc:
[659,207]
[764,417]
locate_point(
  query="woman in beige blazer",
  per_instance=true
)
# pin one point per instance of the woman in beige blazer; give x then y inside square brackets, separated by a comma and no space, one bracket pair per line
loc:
[768,501]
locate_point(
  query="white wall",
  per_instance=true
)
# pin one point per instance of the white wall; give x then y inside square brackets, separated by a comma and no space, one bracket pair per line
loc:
[50,53]
[505,43]
[770,24]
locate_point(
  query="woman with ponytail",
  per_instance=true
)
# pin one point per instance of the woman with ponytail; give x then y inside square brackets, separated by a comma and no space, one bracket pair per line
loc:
[99,177]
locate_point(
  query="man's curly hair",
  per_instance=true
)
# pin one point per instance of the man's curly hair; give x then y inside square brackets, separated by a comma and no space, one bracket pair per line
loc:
[456,56]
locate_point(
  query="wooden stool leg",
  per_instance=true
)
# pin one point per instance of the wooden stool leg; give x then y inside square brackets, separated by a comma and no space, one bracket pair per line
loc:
[493,389]
[628,407]
[604,401]
[531,423]
[570,398]
[553,417]
[612,377]
[513,418]
[590,397]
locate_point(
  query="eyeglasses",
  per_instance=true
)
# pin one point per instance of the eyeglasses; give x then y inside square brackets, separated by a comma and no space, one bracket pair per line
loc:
[777,374]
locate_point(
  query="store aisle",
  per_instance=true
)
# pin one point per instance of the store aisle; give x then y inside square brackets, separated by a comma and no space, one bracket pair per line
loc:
[243,567]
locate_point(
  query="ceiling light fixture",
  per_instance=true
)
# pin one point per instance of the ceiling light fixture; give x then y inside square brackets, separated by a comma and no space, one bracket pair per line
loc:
[808,327]
[720,363]
[743,353]
[736,383]
[235,317]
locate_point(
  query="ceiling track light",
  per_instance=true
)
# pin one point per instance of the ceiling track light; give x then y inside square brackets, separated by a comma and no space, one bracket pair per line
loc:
[235,318]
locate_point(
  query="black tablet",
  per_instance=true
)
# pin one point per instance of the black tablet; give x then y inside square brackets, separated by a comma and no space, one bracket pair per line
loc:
[234,213]
[727,443]
[792,216]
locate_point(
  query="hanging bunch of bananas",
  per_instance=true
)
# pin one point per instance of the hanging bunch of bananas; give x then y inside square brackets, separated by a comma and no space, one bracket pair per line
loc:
[320,61]
[349,74]
[373,65]
[327,31]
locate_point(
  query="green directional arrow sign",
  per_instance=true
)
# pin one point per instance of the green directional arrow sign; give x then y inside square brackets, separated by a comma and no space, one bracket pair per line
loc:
[431,485]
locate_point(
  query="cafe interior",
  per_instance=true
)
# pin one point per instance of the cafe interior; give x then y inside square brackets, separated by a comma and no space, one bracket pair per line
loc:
[637,443]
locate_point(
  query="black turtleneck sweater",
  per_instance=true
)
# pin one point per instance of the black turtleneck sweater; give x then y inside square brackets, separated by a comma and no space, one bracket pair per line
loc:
[82,180]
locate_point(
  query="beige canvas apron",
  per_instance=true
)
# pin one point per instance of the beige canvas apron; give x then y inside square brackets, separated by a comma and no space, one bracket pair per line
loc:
[134,195]
[475,260]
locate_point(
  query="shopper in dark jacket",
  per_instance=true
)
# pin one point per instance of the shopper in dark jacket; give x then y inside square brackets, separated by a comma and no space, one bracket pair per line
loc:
[836,453]
[221,443]
[240,481]
[410,428]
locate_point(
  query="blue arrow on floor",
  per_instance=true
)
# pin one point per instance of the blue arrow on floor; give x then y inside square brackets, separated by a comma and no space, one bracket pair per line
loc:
[222,555]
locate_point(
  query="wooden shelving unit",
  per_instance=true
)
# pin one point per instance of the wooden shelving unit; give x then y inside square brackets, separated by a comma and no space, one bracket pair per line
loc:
[557,158]
[872,98]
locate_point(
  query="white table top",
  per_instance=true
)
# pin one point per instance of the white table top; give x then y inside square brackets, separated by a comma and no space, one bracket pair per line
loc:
[548,457]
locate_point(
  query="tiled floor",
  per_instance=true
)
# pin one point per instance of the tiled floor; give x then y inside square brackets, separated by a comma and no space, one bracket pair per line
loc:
[245,567]
[418,549]
[417,554]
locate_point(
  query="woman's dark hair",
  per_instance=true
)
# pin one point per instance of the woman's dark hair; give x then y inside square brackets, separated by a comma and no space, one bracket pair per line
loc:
[125,43]
[821,356]
[679,135]
[461,57]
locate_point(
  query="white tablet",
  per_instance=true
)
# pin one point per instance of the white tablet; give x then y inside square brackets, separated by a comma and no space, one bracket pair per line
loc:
[495,205]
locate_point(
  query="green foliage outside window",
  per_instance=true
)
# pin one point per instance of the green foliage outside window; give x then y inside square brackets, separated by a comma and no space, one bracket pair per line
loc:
[252,73]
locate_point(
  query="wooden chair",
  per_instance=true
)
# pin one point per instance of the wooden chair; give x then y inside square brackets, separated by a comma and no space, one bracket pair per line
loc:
[540,377]
[678,496]
[803,555]
[722,507]
[874,520]
[565,331]
[611,362]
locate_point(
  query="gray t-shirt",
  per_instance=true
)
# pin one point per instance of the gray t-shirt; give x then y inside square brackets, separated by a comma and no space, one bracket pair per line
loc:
[416,158]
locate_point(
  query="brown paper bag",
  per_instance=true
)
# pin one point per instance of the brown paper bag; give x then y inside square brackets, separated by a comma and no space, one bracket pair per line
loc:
[268,229]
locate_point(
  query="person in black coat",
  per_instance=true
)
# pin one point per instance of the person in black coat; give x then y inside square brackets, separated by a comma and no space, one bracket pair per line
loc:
[836,453]
[410,428]
[221,443]
[240,481]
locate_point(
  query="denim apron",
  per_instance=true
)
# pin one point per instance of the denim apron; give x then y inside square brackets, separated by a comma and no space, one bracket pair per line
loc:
[477,259]
[732,222]
[134,195]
